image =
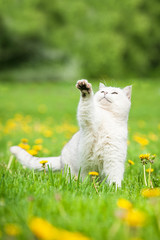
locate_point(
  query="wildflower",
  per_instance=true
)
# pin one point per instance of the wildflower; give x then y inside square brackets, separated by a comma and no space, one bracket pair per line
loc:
[47,133]
[144,156]
[141,140]
[151,192]
[149,170]
[152,157]
[26,128]
[71,236]
[37,147]
[130,162]
[12,229]
[147,157]
[66,127]
[10,125]
[24,146]
[38,141]
[93,173]
[45,151]
[43,162]
[144,160]
[153,137]
[135,218]
[24,140]
[125,204]
[43,229]
[18,117]
[33,152]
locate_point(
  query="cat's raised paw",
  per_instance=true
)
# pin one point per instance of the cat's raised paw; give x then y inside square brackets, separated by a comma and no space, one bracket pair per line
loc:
[84,86]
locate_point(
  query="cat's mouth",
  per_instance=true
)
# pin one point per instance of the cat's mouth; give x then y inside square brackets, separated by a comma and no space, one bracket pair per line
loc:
[106,99]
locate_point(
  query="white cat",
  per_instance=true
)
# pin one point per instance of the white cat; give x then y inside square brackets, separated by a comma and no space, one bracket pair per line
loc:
[101,143]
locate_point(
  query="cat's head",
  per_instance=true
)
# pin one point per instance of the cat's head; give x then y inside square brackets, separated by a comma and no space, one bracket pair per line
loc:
[114,100]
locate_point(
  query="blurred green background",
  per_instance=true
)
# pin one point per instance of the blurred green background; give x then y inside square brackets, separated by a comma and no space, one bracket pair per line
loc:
[67,39]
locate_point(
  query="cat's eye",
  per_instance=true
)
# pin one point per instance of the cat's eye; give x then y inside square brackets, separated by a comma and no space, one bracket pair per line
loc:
[104,92]
[114,93]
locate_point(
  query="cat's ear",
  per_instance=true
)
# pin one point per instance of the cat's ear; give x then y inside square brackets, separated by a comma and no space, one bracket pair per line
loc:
[128,90]
[101,85]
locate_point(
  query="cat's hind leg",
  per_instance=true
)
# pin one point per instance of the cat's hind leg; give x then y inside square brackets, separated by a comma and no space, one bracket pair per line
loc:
[31,162]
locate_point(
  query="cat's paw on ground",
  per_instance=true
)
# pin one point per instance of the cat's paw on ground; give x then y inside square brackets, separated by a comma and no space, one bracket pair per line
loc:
[84,86]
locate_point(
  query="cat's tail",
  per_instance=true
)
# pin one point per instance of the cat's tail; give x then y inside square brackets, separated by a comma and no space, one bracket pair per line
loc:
[31,162]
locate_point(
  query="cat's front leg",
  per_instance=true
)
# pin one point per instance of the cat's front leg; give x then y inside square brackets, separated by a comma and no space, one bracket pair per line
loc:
[114,173]
[85,87]
[86,111]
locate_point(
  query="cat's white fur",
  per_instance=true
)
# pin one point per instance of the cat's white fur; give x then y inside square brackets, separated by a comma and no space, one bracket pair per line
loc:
[101,143]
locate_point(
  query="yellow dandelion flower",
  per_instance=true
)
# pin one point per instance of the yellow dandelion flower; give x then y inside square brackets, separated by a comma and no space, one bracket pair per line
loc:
[24,146]
[43,229]
[43,161]
[38,141]
[153,137]
[128,142]
[135,218]
[125,204]
[144,156]
[18,117]
[24,140]
[93,173]
[130,162]
[66,235]
[141,140]
[37,147]
[47,133]
[33,152]
[26,128]
[12,229]
[149,170]
[45,151]
[153,156]
[10,125]
[150,192]
[66,127]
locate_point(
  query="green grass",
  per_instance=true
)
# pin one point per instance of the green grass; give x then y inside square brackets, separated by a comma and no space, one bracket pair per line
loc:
[72,204]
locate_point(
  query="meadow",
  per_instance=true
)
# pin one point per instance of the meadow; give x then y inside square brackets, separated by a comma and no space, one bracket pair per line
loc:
[40,205]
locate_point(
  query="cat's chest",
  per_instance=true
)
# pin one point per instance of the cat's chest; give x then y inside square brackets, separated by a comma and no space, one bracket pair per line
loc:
[98,145]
